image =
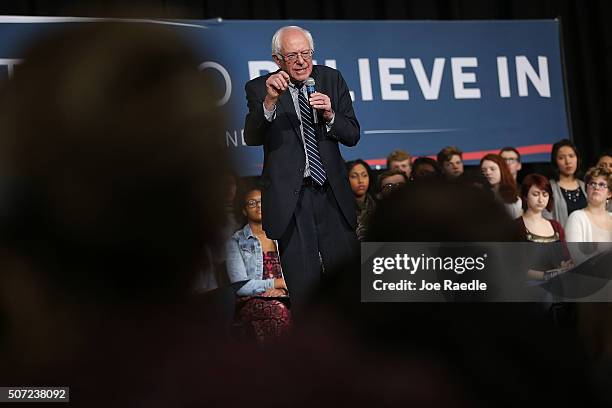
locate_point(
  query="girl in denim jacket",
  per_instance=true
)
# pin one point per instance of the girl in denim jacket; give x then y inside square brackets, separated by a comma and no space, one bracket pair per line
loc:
[253,266]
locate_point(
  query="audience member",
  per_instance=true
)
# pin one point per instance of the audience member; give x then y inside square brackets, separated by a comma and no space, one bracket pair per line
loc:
[513,159]
[450,160]
[399,159]
[214,273]
[536,196]
[605,160]
[360,174]
[568,191]
[593,223]
[389,181]
[253,266]
[425,168]
[496,171]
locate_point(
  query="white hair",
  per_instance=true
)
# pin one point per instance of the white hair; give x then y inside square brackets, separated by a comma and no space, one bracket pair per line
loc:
[276,38]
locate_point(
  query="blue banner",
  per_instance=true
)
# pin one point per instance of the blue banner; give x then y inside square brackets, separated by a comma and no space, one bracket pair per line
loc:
[417,86]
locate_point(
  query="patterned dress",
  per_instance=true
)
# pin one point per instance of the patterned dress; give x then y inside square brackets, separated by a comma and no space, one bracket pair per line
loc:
[264,318]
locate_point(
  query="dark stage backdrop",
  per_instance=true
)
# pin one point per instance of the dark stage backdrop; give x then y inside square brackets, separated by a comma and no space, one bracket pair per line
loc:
[587,35]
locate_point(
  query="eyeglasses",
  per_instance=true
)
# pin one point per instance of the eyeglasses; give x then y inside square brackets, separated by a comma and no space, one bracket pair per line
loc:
[253,203]
[511,159]
[391,186]
[597,186]
[293,56]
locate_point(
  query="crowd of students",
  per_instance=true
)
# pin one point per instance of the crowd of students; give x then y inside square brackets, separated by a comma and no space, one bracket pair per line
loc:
[559,208]
[563,194]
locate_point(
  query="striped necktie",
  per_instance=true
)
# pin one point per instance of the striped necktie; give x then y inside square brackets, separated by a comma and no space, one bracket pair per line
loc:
[317,172]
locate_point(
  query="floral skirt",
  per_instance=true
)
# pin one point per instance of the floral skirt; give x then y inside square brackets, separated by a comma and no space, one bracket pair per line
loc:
[261,319]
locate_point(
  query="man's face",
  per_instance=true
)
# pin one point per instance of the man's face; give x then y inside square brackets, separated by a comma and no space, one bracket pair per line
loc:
[512,160]
[294,43]
[404,166]
[391,183]
[453,167]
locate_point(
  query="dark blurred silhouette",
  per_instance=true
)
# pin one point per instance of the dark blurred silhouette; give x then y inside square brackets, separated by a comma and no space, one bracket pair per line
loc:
[498,354]
[109,161]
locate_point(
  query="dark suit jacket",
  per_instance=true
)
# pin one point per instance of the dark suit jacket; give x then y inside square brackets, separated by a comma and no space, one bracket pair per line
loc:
[284,157]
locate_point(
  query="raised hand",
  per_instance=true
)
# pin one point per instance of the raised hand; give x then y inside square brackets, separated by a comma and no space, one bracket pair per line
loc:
[276,84]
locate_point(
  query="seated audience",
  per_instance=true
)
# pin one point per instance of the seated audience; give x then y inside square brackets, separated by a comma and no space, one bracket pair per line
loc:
[360,174]
[496,171]
[513,159]
[568,190]
[399,159]
[253,266]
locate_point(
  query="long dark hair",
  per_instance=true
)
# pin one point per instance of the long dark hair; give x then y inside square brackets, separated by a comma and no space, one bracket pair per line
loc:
[553,157]
[353,163]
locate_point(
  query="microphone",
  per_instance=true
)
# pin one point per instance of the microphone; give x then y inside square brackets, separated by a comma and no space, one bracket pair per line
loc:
[310,89]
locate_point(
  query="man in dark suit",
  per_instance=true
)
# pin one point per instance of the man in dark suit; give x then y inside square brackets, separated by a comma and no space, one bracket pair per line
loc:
[307,203]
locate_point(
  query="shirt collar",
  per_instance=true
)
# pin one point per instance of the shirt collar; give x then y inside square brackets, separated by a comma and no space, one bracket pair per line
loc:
[247,232]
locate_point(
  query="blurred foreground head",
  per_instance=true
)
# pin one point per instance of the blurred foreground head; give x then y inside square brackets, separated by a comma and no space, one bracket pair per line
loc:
[441,211]
[108,157]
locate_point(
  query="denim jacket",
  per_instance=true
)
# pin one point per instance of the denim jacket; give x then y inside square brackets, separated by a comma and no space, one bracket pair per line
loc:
[245,263]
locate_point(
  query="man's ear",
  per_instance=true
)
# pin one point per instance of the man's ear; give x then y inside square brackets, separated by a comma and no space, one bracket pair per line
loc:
[277,60]
[520,166]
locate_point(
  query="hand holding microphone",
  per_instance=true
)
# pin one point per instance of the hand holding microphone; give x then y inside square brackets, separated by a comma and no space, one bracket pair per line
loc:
[319,101]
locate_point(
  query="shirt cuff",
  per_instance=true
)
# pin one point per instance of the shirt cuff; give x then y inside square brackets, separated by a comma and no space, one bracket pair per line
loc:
[270,115]
[328,125]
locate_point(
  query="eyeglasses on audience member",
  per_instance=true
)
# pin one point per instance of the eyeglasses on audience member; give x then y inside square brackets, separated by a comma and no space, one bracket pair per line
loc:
[597,186]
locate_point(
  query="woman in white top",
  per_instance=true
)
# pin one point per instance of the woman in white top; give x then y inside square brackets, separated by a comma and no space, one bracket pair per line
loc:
[495,169]
[593,223]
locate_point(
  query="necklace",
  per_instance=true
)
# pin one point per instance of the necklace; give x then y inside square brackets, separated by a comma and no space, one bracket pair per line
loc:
[572,195]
